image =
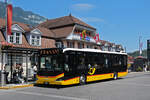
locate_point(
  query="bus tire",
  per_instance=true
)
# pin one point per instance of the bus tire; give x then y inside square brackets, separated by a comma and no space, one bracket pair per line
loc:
[115,76]
[82,79]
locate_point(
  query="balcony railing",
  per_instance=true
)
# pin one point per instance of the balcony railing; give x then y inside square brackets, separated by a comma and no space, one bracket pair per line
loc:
[78,37]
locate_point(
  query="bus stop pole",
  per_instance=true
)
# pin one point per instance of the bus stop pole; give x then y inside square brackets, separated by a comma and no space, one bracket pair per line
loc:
[2,71]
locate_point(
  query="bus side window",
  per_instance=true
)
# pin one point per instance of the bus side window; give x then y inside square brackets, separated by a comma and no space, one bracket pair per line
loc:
[125,61]
[116,61]
[101,61]
[66,67]
[70,61]
[106,62]
[66,59]
[89,66]
[120,60]
[42,62]
[48,62]
[81,62]
[87,60]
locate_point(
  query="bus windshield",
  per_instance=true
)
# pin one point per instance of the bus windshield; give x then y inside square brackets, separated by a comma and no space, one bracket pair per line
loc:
[52,62]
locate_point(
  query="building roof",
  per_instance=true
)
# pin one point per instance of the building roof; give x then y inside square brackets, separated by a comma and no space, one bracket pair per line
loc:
[54,28]
[45,42]
[64,21]
[140,57]
[63,31]
[2,39]
[103,42]
[46,32]
[25,27]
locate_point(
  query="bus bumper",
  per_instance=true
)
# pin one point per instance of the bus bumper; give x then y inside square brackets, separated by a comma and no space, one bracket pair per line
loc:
[49,82]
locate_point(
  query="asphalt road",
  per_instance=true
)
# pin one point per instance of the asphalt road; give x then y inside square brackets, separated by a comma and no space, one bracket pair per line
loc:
[135,86]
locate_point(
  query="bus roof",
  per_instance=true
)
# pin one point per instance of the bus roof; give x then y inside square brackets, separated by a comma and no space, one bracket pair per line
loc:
[92,50]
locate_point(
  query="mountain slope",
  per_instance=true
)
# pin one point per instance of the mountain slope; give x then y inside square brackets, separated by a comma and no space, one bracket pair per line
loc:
[20,15]
[136,53]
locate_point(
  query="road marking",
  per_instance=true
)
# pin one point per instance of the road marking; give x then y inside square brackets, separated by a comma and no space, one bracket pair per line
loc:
[135,84]
[4,92]
[50,95]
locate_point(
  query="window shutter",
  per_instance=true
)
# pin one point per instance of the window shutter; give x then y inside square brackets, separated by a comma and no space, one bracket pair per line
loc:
[20,38]
[14,37]
[8,38]
[30,39]
[40,41]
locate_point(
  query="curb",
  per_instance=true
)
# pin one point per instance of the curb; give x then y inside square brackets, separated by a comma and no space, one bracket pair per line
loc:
[17,86]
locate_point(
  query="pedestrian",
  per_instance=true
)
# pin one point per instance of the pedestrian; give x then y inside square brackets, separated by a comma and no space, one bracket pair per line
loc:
[15,74]
[20,71]
[145,68]
[34,71]
[6,72]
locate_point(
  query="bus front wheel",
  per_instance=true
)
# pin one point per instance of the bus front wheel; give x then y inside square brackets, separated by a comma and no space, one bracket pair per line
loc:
[115,76]
[82,79]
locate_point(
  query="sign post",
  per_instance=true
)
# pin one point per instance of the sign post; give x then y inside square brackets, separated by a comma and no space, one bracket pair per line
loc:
[1,54]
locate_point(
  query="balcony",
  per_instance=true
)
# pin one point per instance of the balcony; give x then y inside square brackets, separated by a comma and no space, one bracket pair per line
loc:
[78,37]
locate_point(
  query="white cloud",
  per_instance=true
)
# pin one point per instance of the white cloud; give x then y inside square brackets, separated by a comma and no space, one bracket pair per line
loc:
[92,19]
[82,7]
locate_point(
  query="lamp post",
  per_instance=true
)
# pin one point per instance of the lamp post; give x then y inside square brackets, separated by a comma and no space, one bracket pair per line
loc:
[2,71]
[1,54]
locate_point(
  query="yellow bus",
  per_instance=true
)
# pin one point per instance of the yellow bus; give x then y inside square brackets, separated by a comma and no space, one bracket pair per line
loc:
[67,66]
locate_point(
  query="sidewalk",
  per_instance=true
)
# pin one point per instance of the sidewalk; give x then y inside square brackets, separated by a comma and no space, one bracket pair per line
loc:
[14,86]
[138,72]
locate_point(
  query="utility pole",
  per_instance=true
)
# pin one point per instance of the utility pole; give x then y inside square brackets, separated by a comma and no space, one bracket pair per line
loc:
[2,75]
[140,46]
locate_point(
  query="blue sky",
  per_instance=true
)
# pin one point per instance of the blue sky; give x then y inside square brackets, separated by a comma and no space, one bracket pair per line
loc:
[118,21]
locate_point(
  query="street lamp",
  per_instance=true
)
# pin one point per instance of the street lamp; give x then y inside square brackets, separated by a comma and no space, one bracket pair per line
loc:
[2,69]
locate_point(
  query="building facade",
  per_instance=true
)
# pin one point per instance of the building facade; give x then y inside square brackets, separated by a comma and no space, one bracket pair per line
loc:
[21,47]
[71,32]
